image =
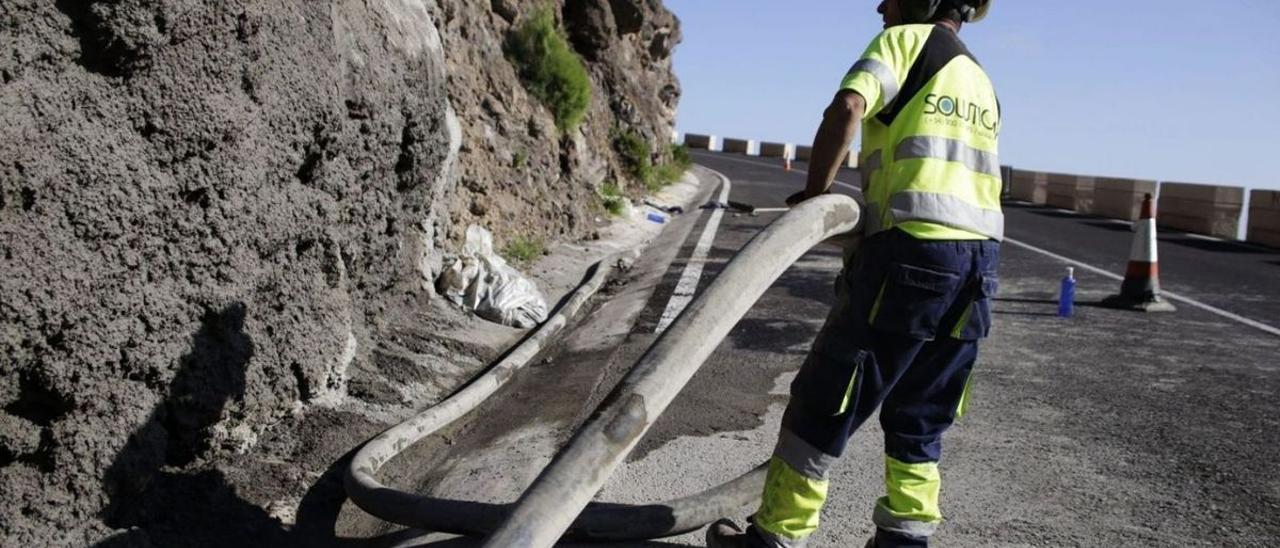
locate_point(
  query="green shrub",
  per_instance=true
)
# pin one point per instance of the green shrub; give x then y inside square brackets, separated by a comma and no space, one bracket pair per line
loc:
[664,175]
[523,249]
[549,68]
[668,173]
[614,201]
[610,190]
[615,206]
[637,160]
[519,159]
[635,153]
[680,156]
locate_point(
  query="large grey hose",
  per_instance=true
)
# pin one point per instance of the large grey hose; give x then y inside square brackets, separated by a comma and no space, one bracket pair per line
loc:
[598,522]
[702,324]
[548,509]
[361,482]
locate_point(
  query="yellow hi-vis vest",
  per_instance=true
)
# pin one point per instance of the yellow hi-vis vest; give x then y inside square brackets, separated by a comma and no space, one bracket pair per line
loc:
[929,145]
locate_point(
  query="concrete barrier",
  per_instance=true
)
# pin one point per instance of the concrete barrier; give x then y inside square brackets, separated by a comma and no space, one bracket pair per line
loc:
[775,150]
[1121,198]
[1071,192]
[737,146]
[1201,209]
[701,142]
[803,153]
[1030,186]
[1264,217]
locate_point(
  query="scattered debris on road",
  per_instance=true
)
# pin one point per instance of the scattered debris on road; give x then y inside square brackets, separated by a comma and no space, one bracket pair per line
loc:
[481,281]
[673,210]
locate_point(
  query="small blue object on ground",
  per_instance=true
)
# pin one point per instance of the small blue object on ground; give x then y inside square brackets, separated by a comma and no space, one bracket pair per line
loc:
[1067,297]
[657,218]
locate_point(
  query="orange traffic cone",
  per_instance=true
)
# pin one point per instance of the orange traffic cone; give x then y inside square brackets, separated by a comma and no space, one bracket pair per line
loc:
[1141,287]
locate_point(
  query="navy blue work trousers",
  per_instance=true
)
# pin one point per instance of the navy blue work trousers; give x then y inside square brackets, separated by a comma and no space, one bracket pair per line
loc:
[903,336]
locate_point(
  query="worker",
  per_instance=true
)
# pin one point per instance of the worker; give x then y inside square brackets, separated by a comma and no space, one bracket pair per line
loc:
[914,300]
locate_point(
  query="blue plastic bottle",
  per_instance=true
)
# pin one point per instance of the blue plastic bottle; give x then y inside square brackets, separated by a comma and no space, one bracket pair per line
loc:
[1067,297]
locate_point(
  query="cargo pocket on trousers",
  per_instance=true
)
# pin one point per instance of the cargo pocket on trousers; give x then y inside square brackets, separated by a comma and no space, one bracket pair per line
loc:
[828,385]
[976,323]
[913,300]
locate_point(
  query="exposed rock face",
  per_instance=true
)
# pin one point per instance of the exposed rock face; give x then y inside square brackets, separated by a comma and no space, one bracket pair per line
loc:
[219,224]
[517,175]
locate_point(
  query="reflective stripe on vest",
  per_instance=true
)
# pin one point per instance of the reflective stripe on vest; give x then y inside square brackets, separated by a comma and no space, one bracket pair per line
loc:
[951,150]
[948,210]
[882,72]
[937,171]
[874,161]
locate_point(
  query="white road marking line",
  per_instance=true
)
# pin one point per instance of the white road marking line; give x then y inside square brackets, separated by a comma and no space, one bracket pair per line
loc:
[772,209]
[688,284]
[1171,295]
[1203,237]
[767,164]
[1168,294]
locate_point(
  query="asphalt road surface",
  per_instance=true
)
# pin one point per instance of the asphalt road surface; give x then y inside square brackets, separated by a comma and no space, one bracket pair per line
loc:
[1110,428]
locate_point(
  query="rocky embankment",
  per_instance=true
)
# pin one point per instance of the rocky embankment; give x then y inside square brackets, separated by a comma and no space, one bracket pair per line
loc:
[220,224]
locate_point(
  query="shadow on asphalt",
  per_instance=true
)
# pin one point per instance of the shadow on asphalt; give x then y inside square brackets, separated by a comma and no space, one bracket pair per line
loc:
[1049,212]
[1053,302]
[1014,313]
[729,228]
[1167,236]
[774,335]
[1216,246]
[1109,225]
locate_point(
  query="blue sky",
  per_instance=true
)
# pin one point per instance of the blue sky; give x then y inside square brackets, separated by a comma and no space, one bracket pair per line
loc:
[1173,90]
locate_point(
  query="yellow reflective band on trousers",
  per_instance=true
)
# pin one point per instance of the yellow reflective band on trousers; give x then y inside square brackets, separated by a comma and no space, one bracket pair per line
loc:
[792,502]
[848,395]
[875,308]
[912,499]
[964,320]
[963,406]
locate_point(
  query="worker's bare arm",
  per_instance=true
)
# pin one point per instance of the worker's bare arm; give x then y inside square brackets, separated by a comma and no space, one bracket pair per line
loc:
[835,134]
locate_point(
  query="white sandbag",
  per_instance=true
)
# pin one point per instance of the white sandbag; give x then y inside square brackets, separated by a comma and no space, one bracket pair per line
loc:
[481,281]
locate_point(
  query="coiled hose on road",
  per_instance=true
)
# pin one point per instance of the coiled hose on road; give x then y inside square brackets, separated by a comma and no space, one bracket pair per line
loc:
[559,502]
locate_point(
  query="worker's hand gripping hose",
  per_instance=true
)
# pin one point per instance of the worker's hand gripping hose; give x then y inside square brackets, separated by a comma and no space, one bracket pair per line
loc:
[548,510]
